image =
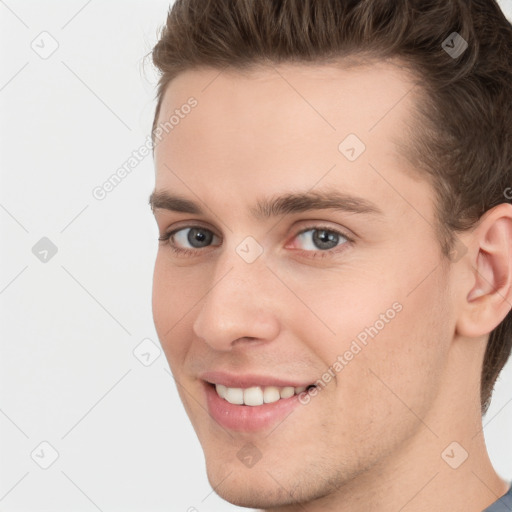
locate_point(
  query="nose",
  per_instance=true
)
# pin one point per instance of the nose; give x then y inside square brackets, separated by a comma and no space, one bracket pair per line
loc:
[240,306]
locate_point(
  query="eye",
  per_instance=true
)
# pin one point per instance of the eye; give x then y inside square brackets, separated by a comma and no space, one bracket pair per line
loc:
[187,240]
[319,238]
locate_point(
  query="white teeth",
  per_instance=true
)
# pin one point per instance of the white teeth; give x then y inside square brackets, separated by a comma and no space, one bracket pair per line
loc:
[221,390]
[287,392]
[253,396]
[271,394]
[256,395]
[234,396]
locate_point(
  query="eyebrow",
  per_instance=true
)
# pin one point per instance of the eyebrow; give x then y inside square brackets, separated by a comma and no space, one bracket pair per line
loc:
[275,206]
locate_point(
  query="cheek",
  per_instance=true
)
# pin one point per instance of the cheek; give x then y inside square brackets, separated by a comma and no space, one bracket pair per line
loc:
[392,333]
[339,307]
[397,371]
[161,297]
[170,305]
[401,366]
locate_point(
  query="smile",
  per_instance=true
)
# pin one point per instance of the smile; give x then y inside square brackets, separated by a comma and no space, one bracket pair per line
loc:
[257,395]
[251,403]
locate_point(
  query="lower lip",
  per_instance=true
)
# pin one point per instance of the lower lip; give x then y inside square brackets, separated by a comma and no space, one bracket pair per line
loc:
[247,418]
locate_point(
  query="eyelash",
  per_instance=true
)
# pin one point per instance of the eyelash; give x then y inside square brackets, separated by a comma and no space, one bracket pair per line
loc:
[316,254]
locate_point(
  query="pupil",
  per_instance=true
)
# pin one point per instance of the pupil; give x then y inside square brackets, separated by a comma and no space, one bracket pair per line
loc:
[325,239]
[196,236]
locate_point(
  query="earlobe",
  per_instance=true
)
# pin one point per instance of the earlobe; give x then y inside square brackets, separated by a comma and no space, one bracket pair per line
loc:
[490,297]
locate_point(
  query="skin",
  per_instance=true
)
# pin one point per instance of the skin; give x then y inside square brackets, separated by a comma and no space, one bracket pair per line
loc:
[372,439]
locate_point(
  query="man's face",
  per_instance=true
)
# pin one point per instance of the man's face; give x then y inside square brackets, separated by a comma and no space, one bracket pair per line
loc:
[265,301]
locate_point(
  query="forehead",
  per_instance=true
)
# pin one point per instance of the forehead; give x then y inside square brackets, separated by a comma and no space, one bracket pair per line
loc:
[288,124]
[327,101]
[360,87]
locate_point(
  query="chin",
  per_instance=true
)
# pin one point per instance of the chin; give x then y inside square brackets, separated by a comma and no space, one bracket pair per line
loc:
[259,487]
[247,489]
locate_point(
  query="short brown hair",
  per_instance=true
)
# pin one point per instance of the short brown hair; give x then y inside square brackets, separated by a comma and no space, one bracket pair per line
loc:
[462,134]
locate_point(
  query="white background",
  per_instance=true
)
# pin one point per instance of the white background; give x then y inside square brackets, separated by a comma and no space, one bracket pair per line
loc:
[68,375]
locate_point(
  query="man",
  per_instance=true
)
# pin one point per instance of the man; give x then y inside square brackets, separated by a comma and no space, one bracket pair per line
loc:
[333,282]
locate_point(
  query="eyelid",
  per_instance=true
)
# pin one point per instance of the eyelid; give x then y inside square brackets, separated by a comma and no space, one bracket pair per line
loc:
[177,226]
[321,226]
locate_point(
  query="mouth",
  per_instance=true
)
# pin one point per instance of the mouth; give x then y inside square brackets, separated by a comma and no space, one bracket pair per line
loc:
[255,396]
[251,403]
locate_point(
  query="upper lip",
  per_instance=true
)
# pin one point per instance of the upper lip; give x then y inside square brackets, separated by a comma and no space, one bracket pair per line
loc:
[248,380]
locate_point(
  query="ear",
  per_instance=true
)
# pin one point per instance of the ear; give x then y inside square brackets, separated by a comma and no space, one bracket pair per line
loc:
[488,285]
